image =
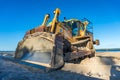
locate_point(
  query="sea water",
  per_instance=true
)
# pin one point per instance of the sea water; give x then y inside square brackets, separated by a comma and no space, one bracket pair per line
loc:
[108,50]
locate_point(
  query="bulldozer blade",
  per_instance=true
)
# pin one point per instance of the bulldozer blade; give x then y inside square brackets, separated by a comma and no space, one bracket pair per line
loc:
[38,58]
[57,60]
[42,50]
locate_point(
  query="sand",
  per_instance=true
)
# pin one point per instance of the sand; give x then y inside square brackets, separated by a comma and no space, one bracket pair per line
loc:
[105,66]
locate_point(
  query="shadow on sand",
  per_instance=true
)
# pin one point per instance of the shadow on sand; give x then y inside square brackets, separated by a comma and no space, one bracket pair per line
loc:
[114,70]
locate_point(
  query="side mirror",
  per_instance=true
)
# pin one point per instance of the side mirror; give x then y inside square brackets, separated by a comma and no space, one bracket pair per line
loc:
[97,42]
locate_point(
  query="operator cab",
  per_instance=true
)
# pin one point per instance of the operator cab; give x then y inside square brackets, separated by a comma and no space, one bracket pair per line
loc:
[75,26]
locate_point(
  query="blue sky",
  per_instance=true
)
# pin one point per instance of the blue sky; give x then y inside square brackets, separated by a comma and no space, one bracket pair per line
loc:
[18,16]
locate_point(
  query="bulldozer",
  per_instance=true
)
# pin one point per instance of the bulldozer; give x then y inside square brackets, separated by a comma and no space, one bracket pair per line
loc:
[59,42]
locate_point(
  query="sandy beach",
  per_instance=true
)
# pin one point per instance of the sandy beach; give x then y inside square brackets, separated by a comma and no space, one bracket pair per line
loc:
[105,66]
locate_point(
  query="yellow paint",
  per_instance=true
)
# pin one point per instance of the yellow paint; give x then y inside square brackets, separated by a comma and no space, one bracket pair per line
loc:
[45,20]
[57,12]
[82,32]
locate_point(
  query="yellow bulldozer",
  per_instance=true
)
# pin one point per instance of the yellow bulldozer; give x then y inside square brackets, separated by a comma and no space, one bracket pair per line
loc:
[59,42]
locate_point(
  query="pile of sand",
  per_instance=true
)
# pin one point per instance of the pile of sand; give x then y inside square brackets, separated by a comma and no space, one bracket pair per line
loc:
[104,66]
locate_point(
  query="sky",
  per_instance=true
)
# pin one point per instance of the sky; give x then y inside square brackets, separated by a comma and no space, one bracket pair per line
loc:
[18,16]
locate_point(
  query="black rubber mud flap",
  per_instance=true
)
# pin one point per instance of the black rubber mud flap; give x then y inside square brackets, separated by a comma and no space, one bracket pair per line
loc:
[57,61]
